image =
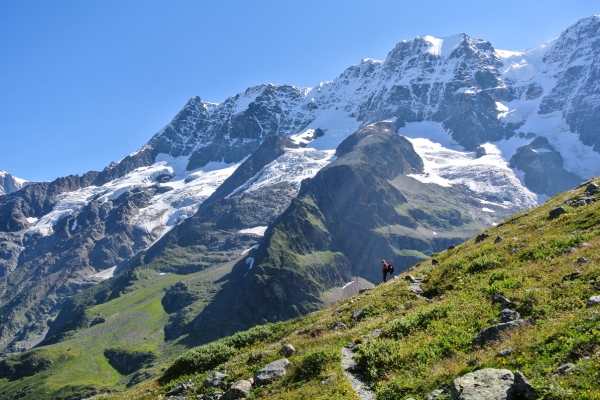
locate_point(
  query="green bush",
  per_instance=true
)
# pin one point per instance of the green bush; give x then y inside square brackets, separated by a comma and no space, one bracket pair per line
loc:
[314,363]
[199,360]
[403,326]
[261,333]
[484,263]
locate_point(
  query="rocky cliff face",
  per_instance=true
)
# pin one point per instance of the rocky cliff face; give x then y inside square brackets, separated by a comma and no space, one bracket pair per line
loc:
[9,183]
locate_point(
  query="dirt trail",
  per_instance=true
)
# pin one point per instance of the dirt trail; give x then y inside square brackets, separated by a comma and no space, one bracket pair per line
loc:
[356,379]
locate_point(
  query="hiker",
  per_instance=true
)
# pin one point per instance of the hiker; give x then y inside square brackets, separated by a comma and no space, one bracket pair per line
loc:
[384,269]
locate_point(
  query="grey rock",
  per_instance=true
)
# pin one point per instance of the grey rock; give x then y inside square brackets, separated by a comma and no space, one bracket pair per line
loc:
[523,388]
[592,188]
[424,298]
[434,261]
[435,394]
[544,171]
[415,288]
[287,350]
[593,301]
[275,370]
[504,302]
[329,379]
[97,320]
[337,326]
[481,237]
[164,178]
[182,387]
[509,315]
[410,278]
[582,260]
[572,276]
[358,314]
[507,352]
[565,369]
[215,379]
[556,212]
[238,390]
[484,384]
[492,333]
[498,239]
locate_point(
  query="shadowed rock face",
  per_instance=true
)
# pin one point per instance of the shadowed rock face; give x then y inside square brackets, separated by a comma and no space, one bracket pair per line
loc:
[543,167]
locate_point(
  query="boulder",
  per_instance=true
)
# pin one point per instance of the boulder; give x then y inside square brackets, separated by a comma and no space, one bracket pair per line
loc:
[337,326]
[485,384]
[215,379]
[182,387]
[493,332]
[238,390]
[415,288]
[481,237]
[509,315]
[498,239]
[272,371]
[523,387]
[287,350]
[565,368]
[592,188]
[434,261]
[504,302]
[593,301]
[410,278]
[358,314]
[556,212]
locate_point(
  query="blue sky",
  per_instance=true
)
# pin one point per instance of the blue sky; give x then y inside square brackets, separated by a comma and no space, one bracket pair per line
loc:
[84,83]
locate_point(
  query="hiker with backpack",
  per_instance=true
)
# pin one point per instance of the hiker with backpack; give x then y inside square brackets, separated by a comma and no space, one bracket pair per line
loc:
[385,268]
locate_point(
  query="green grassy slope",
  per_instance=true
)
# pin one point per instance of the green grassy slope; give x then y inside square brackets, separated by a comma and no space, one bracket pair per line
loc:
[548,267]
[134,323]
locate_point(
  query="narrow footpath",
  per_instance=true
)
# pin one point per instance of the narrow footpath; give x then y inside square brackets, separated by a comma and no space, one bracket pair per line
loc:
[349,367]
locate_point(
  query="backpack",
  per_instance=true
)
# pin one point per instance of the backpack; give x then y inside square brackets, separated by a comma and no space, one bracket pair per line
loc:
[391,269]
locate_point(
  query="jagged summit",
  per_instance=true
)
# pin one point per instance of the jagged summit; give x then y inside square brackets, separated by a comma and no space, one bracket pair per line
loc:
[10,183]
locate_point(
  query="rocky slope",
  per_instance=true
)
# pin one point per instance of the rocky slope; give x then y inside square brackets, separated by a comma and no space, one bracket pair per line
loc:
[497,131]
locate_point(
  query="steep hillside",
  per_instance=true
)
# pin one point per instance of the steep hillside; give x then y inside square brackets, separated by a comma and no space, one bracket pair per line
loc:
[539,270]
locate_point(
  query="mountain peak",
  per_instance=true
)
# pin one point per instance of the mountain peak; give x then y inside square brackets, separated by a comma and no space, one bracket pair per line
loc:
[443,46]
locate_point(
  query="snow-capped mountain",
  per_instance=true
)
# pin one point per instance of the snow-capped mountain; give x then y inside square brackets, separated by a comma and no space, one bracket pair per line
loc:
[505,129]
[9,183]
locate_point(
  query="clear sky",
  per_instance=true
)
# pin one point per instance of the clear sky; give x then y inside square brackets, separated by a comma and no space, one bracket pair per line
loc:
[84,83]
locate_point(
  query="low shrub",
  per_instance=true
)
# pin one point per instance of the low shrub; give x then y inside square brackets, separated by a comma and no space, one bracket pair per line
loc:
[314,363]
[199,360]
